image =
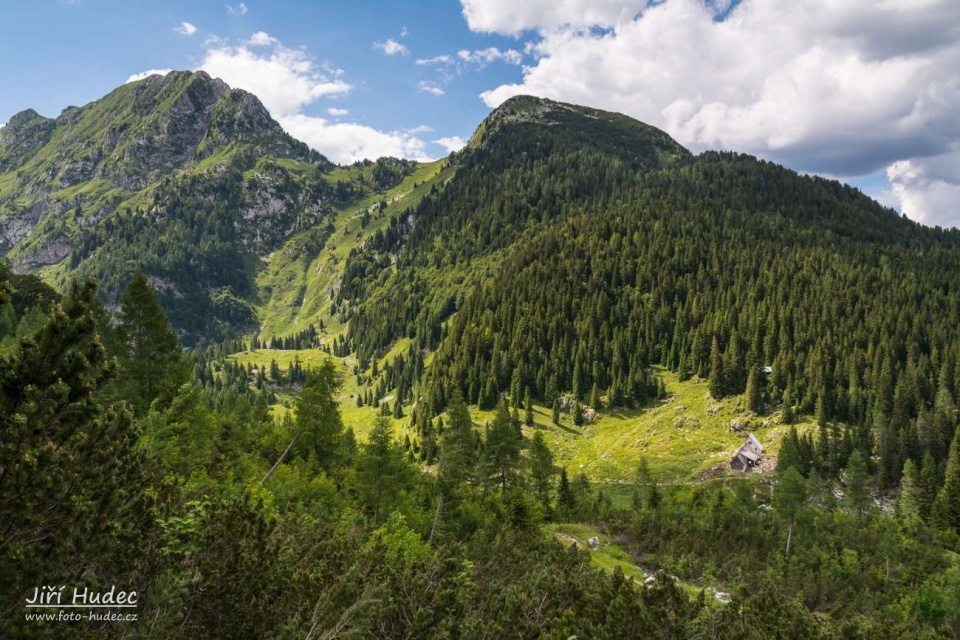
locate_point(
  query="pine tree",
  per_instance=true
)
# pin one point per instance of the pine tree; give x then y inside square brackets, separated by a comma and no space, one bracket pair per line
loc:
[71,485]
[556,411]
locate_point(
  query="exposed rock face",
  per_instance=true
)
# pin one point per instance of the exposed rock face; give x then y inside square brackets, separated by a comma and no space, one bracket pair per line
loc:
[133,138]
[178,175]
[26,132]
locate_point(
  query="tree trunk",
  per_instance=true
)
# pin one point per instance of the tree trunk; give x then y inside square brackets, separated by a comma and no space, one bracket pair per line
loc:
[789,538]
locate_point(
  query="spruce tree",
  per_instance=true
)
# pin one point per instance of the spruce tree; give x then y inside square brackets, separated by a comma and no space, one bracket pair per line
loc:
[716,381]
[528,405]
[319,425]
[502,449]
[946,509]
[755,389]
[151,362]
[542,470]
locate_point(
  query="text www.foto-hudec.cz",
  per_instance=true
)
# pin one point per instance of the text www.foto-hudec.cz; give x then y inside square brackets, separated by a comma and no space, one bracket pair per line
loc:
[81,603]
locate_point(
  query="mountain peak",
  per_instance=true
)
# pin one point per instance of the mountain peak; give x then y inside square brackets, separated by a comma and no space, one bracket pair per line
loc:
[578,126]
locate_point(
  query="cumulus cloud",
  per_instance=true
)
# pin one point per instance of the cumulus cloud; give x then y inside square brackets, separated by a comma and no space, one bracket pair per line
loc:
[238,10]
[284,79]
[288,81]
[451,143]
[512,18]
[186,29]
[391,47]
[147,74]
[928,189]
[261,39]
[823,86]
[431,88]
[348,142]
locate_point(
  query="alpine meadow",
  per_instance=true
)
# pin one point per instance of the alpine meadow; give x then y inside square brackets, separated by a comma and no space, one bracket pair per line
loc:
[572,380]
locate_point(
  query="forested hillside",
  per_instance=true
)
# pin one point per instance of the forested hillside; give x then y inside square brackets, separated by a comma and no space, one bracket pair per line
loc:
[394,369]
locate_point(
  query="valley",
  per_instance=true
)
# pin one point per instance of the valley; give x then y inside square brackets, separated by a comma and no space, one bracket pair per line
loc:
[397,399]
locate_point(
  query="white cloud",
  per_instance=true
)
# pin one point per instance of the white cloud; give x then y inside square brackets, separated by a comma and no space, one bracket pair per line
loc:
[348,142]
[444,59]
[484,57]
[825,86]
[147,74]
[452,143]
[431,88]
[239,10]
[284,79]
[511,17]
[261,39]
[403,31]
[186,29]
[391,47]
[287,81]
[928,189]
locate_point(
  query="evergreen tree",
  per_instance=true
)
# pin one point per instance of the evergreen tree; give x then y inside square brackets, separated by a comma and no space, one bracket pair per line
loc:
[755,389]
[71,475]
[542,470]
[556,411]
[318,422]
[595,401]
[528,404]
[789,498]
[855,481]
[910,496]
[717,381]
[946,509]
[578,417]
[381,471]
[151,361]
[502,449]
[929,486]
[457,445]
[566,501]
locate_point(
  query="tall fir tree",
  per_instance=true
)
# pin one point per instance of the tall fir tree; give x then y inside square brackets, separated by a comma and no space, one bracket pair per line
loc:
[152,362]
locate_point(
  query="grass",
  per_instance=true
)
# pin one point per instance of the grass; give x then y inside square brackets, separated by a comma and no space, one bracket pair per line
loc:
[609,555]
[360,419]
[681,436]
[297,279]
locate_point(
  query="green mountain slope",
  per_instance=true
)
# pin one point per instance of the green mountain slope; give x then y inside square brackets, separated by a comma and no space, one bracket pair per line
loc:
[573,250]
[179,176]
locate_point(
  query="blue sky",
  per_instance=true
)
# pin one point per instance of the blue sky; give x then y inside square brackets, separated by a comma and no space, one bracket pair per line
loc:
[865,92]
[92,46]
